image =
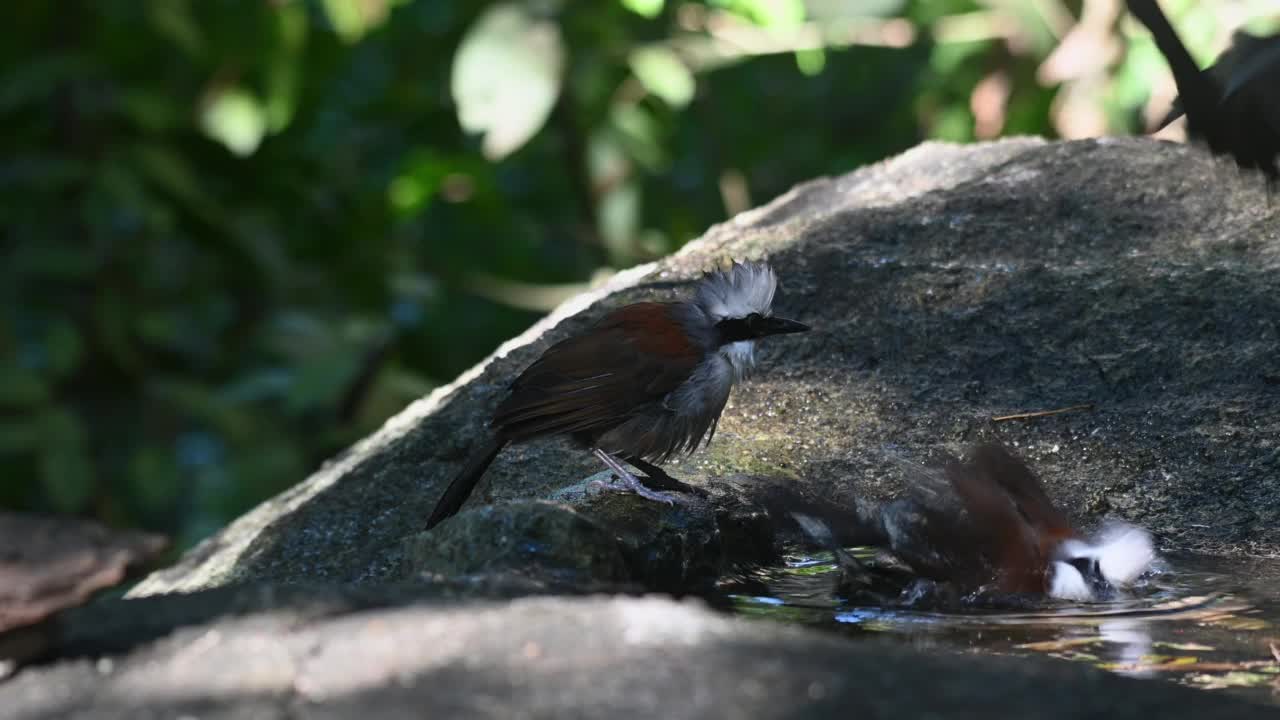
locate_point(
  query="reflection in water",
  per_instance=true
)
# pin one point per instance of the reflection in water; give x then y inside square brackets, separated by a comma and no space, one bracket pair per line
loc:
[1132,640]
[1202,621]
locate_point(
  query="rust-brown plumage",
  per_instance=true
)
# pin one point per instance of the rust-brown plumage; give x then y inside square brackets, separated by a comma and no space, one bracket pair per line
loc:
[1016,525]
[983,524]
[589,382]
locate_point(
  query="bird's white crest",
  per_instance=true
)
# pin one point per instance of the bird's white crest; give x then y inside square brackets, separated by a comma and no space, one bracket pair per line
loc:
[1123,553]
[743,289]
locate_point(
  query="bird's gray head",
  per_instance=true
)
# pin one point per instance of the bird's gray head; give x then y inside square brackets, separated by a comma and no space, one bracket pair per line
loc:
[739,302]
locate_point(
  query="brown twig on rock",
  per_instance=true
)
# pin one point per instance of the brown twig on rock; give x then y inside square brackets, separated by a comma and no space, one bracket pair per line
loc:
[1042,413]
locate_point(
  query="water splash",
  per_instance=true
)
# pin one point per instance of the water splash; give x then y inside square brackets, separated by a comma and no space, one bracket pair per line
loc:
[1208,622]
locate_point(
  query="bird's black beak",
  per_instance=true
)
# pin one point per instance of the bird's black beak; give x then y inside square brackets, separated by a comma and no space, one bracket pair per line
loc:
[780,326]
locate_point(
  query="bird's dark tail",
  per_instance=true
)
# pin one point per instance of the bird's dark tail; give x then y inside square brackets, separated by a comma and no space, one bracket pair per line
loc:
[833,527]
[826,522]
[465,481]
[1198,93]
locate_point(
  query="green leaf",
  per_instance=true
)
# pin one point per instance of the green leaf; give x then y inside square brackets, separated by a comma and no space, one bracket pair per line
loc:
[506,77]
[236,119]
[811,61]
[152,111]
[1262,23]
[112,316]
[257,385]
[160,326]
[206,406]
[825,11]
[423,171]
[66,473]
[154,480]
[19,437]
[645,8]
[353,18]
[55,261]
[64,348]
[619,220]
[35,80]
[284,70]
[270,468]
[321,380]
[173,19]
[639,133]
[953,123]
[46,174]
[171,172]
[664,74]
[767,13]
[20,387]
[394,388]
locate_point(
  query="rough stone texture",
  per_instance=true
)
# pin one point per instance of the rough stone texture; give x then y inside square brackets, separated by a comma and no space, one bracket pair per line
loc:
[946,286]
[568,658]
[554,538]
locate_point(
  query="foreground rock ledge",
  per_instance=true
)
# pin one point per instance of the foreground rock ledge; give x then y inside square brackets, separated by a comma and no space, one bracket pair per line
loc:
[563,658]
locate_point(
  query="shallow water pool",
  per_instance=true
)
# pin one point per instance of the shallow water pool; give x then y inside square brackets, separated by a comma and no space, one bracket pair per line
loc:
[1208,622]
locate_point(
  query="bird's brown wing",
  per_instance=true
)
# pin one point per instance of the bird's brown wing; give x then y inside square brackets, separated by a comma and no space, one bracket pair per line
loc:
[1011,474]
[593,381]
[1006,500]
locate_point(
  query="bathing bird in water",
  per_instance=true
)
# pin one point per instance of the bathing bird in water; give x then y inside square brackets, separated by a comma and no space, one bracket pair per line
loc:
[979,530]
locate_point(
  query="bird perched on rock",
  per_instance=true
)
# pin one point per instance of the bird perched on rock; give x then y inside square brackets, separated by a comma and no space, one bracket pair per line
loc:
[1234,105]
[974,531]
[647,381]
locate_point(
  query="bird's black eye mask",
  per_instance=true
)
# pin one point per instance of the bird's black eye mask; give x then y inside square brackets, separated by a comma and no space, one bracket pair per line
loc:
[755,326]
[1092,573]
[735,329]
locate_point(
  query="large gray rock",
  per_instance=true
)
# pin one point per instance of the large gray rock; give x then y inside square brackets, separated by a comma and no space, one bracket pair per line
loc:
[946,286]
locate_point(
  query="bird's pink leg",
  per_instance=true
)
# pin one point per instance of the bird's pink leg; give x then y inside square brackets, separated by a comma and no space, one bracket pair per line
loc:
[627,481]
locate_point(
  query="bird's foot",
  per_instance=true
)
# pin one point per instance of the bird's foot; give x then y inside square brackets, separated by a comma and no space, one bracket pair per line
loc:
[657,479]
[622,484]
[624,480]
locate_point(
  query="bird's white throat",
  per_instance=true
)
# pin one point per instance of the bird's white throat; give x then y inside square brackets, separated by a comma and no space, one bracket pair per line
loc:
[741,356]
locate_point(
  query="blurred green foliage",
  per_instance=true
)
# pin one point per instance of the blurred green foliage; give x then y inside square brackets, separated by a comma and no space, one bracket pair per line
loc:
[239,234]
